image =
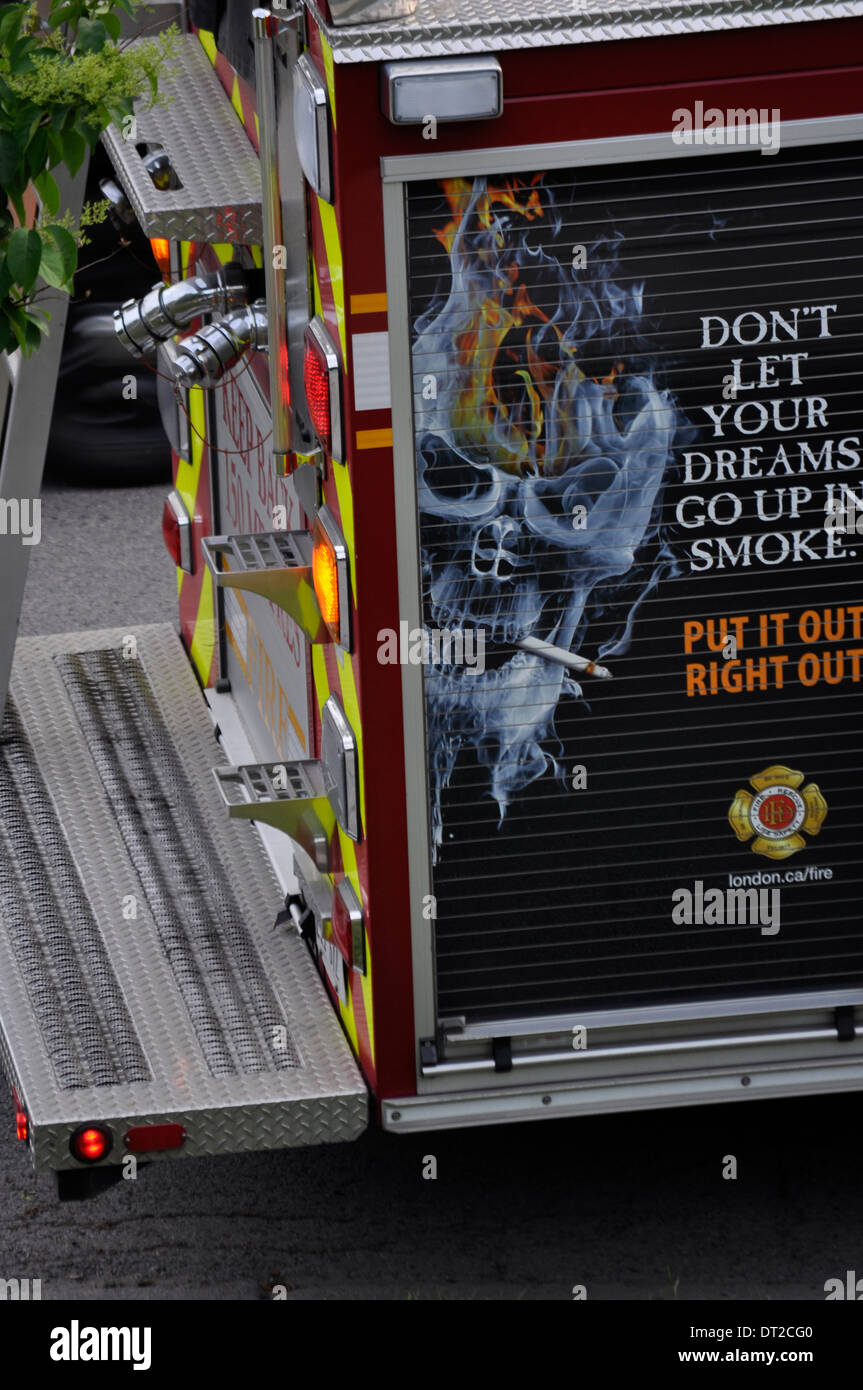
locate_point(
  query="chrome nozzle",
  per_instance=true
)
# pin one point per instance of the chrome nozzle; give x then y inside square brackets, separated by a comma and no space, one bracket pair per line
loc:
[141,323]
[203,359]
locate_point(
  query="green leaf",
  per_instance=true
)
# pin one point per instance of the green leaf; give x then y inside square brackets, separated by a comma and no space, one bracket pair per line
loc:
[17,200]
[62,13]
[5,332]
[26,124]
[92,36]
[17,322]
[127,6]
[113,25]
[74,150]
[10,157]
[10,24]
[90,133]
[48,191]
[37,152]
[55,149]
[5,277]
[21,55]
[23,256]
[33,331]
[59,258]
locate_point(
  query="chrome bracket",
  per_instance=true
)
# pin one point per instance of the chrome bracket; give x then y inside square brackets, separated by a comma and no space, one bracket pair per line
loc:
[278,566]
[289,796]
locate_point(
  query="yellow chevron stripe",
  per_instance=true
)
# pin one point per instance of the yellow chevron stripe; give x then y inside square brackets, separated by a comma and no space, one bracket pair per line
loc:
[352,710]
[257,257]
[223,250]
[348,848]
[334,259]
[349,860]
[236,99]
[319,675]
[204,639]
[346,511]
[208,43]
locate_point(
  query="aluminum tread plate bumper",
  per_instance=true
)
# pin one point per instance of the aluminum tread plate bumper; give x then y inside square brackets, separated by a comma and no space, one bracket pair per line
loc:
[220,198]
[193,1010]
[441,28]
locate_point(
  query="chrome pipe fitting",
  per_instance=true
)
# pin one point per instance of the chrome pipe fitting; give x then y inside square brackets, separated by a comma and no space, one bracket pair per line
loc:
[203,358]
[141,323]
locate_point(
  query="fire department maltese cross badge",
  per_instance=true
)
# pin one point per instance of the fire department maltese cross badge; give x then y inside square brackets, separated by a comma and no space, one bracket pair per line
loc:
[778,814]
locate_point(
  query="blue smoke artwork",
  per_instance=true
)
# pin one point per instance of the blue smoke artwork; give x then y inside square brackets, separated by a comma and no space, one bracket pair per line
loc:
[537,482]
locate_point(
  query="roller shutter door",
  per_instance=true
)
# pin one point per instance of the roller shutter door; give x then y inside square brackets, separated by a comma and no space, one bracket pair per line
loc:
[636,396]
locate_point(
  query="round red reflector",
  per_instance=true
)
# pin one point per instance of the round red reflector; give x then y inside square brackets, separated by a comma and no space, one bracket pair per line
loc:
[20,1125]
[89,1143]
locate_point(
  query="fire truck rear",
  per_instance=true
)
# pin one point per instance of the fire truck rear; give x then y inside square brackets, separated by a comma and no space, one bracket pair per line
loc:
[506,764]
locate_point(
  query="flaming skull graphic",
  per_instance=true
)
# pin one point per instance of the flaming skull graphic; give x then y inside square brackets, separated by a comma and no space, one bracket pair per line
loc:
[537,481]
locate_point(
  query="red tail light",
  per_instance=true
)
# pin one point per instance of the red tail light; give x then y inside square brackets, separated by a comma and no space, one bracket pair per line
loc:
[323,388]
[141,1139]
[177,531]
[89,1143]
[20,1117]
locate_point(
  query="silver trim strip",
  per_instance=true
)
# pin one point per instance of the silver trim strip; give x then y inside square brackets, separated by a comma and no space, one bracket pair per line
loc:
[576,154]
[702,1086]
[594,1054]
[263,24]
[410,609]
[637,1018]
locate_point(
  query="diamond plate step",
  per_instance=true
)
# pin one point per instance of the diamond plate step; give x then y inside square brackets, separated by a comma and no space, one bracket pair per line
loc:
[140,978]
[220,194]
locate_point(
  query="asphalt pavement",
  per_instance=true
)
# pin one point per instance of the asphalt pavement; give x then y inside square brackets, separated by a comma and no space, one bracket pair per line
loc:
[629,1206]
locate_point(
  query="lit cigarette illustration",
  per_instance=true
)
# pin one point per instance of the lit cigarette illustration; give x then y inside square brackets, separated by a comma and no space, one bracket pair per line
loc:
[564,658]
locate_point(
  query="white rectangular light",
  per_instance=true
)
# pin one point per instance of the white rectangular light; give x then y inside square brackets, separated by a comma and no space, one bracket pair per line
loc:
[447,89]
[312,127]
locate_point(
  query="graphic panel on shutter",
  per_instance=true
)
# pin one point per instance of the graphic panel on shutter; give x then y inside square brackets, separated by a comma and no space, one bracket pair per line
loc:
[638,443]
